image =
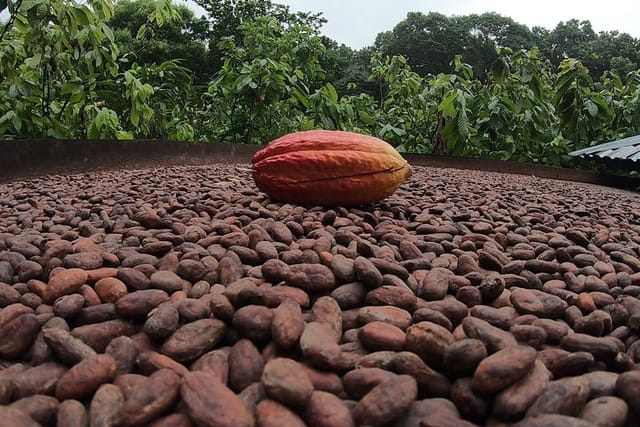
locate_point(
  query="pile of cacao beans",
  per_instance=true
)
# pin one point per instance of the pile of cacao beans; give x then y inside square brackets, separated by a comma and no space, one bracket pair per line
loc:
[183,296]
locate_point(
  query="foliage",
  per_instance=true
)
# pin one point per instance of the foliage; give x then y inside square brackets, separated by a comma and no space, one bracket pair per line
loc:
[583,112]
[62,77]
[501,30]
[624,101]
[522,111]
[347,69]
[426,41]
[142,40]
[253,95]
[405,116]
[53,53]
[431,41]
[477,85]
[226,18]
[569,40]
[516,118]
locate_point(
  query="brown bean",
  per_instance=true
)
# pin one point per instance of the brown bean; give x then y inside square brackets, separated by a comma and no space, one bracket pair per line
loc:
[270,413]
[566,396]
[327,410]
[286,382]
[86,377]
[209,402]
[387,401]
[151,398]
[194,339]
[502,369]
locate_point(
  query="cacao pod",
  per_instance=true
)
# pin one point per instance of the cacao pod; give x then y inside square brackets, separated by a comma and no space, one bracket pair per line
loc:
[322,167]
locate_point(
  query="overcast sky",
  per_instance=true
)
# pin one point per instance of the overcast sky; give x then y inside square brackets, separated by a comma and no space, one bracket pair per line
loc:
[357,22]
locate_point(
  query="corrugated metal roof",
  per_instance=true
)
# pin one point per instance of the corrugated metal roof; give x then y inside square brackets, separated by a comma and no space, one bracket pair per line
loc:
[623,149]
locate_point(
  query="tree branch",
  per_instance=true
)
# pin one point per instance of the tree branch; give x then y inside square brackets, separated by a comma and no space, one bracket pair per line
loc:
[12,18]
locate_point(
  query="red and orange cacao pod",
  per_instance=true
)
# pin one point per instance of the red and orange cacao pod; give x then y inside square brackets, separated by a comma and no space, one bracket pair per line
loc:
[321,167]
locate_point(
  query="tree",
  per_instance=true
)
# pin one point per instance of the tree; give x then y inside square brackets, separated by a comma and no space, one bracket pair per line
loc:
[264,74]
[569,39]
[347,69]
[614,51]
[183,38]
[490,31]
[66,74]
[428,42]
[61,77]
[405,118]
[516,118]
[582,110]
[621,93]
[53,54]
[501,30]
[226,17]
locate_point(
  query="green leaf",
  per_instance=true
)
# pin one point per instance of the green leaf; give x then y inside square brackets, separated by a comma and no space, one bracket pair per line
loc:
[158,16]
[142,31]
[592,108]
[71,87]
[21,23]
[510,105]
[124,135]
[34,61]
[499,69]
[135,118]
[81,15]
[27,5]
[107,31]
[527,75]
[8,116]
[300,97]
[331,92]
[16,121]
[603,106]
[244,81]
[107,8]
[447,105]
[365,117]
[463,124]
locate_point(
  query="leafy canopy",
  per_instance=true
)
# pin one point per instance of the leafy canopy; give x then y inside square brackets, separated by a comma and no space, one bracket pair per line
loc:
[250,71]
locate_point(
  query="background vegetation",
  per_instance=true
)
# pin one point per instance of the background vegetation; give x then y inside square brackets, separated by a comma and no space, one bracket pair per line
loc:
[251,70]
